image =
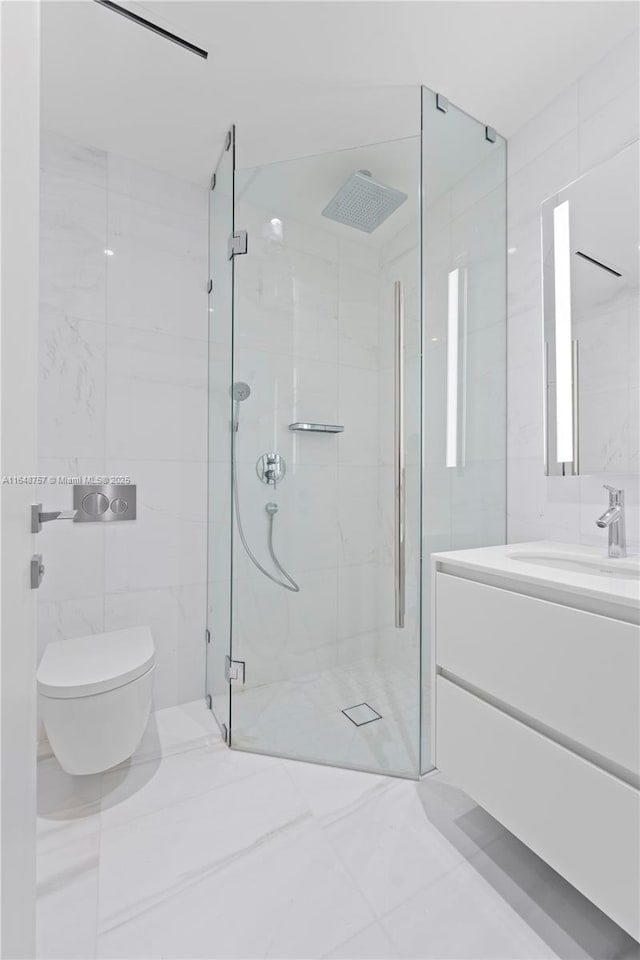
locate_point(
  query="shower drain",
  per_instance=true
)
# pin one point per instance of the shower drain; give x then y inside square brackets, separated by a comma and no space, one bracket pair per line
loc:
[361,713]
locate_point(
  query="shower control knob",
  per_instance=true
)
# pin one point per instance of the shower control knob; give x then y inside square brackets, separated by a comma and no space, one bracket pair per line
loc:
[271,468]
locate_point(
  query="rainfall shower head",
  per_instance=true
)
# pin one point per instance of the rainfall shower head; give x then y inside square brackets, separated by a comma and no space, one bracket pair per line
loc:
[240,391]
[363,203]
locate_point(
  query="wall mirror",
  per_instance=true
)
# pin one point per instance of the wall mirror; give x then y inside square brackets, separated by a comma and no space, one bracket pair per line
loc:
[590,250]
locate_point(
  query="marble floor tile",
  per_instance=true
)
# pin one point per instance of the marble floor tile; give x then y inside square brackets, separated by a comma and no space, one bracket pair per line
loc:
[372,943]
[68,846]
[462,917]
[195,850]
[287,896]
[143,788]
[390,848]
[148,860]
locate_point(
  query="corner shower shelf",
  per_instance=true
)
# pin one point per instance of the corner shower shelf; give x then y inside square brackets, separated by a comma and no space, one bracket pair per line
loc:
[317,427]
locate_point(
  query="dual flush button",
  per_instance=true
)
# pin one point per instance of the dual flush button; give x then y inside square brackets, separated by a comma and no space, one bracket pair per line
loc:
[104,502]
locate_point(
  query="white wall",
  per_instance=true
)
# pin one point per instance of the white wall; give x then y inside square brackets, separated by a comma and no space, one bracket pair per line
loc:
[587,123]
[123,390]
[20,118]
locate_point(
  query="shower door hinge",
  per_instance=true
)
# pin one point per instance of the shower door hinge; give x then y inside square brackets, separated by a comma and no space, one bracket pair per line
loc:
[442,104]
[234,670]
[237,244]
[210,286]
[209,701]
[212,182]
[207,635]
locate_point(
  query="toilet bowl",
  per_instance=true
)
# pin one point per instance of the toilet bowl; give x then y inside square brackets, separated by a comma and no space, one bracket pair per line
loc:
[95,697]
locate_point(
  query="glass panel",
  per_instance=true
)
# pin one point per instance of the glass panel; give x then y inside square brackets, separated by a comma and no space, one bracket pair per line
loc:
[315,340]
[220,416]
[464,207]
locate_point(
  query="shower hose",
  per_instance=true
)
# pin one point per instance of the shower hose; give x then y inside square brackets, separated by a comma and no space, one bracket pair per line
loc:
[271,509]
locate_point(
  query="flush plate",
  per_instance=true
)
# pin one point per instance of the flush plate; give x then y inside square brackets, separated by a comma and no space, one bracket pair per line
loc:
[104,502]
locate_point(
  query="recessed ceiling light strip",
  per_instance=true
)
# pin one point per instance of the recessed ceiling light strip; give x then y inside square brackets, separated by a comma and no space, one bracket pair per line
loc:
[153,27]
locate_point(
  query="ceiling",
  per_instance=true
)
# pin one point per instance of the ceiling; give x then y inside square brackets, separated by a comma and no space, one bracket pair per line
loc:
[305,77]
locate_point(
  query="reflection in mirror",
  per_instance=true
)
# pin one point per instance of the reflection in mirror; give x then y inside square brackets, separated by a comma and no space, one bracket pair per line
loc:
[590,244]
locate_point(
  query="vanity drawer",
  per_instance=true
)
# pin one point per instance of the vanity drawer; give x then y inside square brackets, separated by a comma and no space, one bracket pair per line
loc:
[581,820]
[574,671]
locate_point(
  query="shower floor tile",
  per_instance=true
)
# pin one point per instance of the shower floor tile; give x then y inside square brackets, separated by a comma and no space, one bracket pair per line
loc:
[305,717]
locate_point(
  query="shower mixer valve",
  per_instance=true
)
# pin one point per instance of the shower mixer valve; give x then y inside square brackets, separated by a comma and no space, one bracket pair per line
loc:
[271,468]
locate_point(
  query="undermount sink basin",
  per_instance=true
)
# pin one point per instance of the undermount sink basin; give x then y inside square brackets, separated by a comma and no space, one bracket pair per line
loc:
[625,568]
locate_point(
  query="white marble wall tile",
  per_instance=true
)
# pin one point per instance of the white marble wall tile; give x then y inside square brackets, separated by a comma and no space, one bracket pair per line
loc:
[65,619]
[73,239]
[158,271]
[308,526]
[605,433]
[166,545]
[358,412]
[478,493]
[64,157]
[358,515]
[544,129]
[524,273]
[358,308]
[359,255]
[156,396]
[314,392]
[525,438]
[144,184]
[74,557]
[485,177]
[72,387]
[129,393]
[613,127]
[176,616]
[538,179]
[357,607]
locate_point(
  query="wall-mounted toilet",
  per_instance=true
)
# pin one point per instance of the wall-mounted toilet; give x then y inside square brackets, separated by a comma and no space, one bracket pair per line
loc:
[95,697]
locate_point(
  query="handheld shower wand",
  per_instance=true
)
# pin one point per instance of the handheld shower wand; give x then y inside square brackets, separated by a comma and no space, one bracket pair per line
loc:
[239,392]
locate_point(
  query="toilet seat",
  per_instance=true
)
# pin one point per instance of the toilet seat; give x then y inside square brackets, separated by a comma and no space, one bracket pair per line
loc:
[85,666]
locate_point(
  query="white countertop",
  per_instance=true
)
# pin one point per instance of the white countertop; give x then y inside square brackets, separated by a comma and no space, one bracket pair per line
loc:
[500,561]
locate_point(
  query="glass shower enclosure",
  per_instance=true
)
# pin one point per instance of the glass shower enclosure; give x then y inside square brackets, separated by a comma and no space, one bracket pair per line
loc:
[356,425]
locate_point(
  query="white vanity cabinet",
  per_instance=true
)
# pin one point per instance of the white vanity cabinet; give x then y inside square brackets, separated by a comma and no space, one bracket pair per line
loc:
[537,713]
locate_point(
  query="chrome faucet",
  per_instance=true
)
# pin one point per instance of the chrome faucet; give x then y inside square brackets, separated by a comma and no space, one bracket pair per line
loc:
[613,518]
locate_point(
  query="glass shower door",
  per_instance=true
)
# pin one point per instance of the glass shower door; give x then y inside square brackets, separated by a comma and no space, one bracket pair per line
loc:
[220,511]
[327,370]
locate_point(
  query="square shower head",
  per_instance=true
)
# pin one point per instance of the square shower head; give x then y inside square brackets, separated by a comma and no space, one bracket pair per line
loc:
[363,203]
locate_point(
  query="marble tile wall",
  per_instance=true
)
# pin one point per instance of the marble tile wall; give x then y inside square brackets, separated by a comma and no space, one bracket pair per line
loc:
[123,390]
[586,124]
